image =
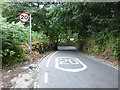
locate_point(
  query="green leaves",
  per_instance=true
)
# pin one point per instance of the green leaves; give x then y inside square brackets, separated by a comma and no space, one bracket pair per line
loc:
[6,51]
[55,21]
[12,53]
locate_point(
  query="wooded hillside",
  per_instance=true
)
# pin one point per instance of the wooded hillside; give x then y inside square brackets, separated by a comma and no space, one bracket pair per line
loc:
[95,26]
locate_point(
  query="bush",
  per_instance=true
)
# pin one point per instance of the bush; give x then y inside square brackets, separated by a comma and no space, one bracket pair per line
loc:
[16,34]
[42,46]
[109,47]
[13,35]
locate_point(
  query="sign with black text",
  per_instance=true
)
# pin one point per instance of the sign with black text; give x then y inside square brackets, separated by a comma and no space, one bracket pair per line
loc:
[24,17]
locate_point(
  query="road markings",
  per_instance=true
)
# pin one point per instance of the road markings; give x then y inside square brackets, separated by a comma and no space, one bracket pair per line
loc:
[69,70]
[69,61]
[35,85]
[44,58]
[46,77]
[47,65]
[39,63]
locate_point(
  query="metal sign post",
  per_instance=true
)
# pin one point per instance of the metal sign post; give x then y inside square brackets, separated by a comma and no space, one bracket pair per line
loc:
[24,17]
[30,36]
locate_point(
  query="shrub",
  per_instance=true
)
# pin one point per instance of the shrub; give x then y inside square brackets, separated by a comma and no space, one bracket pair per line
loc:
[13,35]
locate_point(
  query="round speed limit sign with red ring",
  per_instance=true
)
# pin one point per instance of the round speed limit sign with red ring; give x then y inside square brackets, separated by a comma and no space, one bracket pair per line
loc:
[24,17]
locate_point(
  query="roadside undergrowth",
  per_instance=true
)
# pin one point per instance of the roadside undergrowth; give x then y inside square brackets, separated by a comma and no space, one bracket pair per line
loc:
[105,49]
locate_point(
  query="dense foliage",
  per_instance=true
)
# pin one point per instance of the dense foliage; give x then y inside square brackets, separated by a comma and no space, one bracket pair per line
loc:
[13,36]
[97,25]
[94,25]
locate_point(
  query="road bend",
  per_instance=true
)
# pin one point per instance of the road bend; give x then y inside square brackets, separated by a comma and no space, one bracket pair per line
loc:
[67,68]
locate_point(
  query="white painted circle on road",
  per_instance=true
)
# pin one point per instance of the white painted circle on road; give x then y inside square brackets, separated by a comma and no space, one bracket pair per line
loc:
[69,60]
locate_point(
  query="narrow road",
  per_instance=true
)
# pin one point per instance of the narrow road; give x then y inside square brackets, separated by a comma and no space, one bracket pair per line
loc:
[67,68]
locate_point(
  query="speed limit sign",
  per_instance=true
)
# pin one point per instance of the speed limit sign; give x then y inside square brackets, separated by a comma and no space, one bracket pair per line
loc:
[24,17]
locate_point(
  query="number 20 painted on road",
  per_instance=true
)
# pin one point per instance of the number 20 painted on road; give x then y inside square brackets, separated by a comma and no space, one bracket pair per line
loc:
[69,60]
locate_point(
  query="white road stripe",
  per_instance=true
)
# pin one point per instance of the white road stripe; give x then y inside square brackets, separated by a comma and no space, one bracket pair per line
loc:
[47,65]
[35,84]
[46,77]
[38,66]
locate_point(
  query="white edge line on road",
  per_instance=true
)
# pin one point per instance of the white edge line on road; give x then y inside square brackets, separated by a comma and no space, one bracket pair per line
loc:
[35,84]
[37,69]
[46,77]
[47,65]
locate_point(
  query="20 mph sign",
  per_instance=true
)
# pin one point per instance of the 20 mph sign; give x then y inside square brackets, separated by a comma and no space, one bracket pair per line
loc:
[24,17]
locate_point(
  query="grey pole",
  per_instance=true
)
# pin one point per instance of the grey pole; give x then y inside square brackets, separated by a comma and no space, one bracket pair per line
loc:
[30,36]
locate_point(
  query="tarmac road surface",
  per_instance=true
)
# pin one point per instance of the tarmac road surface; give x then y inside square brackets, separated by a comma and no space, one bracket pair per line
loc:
[67,68]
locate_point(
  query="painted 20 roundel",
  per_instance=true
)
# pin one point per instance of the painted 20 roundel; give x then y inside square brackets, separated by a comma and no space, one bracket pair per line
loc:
[24,17]
[69,64]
